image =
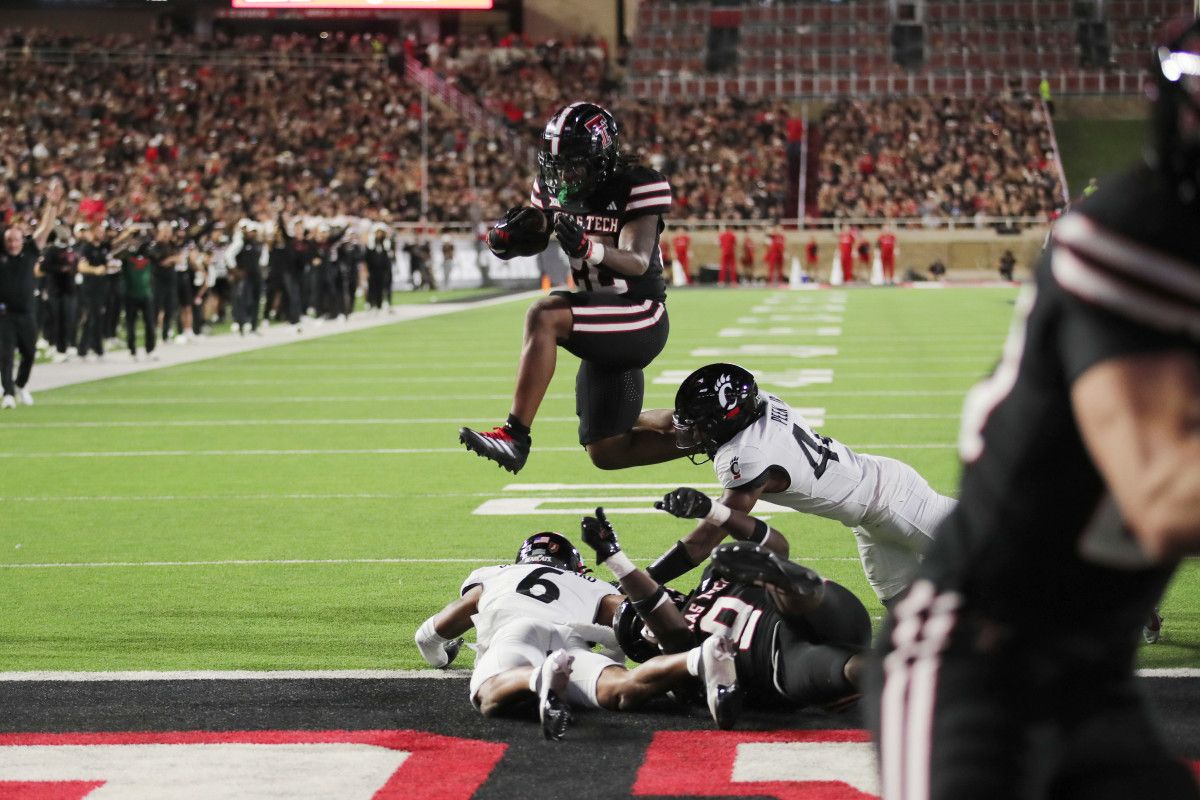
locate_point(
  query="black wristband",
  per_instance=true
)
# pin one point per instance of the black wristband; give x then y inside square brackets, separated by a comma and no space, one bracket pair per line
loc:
[648,604]
[761,531]
[671,564]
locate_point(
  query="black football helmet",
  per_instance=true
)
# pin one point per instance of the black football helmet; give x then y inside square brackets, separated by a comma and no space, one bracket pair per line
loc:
[579,152]
[629,628]
[1177,107]
[713,405]
[552,549]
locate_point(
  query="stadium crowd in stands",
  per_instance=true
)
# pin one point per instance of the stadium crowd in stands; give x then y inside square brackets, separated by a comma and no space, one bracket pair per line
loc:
[937,157]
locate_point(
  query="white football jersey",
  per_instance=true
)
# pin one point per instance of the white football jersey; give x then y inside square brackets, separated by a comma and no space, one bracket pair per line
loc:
[538,591]
[826,477]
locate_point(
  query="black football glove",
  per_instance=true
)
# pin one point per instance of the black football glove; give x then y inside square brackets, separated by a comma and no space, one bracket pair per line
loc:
[575,242]
[685,503]
[521,232]
[599,535]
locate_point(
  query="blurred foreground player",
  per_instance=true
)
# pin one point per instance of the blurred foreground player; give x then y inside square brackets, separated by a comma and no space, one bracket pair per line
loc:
[607,214]
[1009,669]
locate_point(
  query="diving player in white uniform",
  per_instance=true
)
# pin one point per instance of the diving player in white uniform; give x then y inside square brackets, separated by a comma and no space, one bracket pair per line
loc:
[761,447]
[535,623]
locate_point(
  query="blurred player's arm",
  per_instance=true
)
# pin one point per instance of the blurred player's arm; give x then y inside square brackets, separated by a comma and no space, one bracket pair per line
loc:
[50,211]
[648,598]
[728,517]
[440,637]
[1140,420]
[632,255]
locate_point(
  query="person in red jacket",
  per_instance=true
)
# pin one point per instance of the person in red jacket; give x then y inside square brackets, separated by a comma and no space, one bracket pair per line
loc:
[748,255]
[846,254]
[775,255]
[728,242]
[682,244]
[887,255]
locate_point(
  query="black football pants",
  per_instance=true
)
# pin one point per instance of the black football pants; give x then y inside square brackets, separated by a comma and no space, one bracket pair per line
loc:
[247,298]
[135,307]
[18,334]
[62,329]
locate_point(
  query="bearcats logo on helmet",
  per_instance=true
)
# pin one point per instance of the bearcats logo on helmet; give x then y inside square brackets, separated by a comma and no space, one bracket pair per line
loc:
[725,393]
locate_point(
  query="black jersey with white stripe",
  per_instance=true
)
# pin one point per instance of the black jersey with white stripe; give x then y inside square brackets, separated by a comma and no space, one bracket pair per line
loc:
[748,616]
[1036,542]
[630,193]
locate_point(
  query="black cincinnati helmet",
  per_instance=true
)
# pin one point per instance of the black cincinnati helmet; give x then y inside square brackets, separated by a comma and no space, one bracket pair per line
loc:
[627,625]
[713,405]
[1177,106]
[579,152]
[631,631]
[552,549]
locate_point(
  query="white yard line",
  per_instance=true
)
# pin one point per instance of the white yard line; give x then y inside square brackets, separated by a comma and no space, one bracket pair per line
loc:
[225,423]
[421,398]
[53,376]
[380,451]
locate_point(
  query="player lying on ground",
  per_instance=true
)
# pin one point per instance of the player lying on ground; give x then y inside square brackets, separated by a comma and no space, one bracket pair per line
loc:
[760,447]
[794,639]
[535,621]
[607,214]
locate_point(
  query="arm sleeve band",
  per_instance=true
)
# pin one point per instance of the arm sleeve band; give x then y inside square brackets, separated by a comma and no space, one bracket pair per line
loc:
[672,564]
[717,515]
[648,604]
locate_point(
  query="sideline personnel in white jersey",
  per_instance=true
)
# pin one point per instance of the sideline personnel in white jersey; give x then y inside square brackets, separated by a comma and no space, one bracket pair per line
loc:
[761,447]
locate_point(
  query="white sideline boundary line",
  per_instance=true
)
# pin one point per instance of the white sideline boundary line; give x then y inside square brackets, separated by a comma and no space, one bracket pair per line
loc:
[145,676]
[54,376]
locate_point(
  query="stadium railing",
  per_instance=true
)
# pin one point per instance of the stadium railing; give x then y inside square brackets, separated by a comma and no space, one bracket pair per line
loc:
[801,85]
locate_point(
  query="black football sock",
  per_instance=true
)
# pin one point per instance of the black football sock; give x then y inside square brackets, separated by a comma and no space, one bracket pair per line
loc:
[516,426]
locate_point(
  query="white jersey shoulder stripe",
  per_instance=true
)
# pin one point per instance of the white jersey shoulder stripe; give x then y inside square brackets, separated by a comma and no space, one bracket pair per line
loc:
[647,188]
[664,201]
[1125,255]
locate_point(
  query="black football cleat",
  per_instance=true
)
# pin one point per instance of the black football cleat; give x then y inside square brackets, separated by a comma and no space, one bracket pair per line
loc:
[553,710]
[745,562]
[718,673]
[500,444]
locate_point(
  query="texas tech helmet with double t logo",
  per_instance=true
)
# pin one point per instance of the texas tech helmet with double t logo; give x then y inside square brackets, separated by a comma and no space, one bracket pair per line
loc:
[713,405]
[579,152]
[552,549]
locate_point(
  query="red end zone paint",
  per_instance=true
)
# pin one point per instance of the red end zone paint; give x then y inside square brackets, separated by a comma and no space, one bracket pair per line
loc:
[439,767]
[701,763]
[47,790]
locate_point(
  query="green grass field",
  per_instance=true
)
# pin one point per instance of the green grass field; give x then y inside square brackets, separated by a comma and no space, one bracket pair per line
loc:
[307,506]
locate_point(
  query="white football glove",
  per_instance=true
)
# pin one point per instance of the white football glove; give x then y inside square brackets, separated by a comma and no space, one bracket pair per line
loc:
[437,650]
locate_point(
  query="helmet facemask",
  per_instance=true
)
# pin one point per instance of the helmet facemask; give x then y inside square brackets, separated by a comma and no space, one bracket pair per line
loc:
[1177,112]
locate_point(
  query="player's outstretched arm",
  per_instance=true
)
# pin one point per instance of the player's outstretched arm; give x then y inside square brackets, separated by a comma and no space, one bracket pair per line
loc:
[648,598]
[728,517]
[440,637]
[1140,420]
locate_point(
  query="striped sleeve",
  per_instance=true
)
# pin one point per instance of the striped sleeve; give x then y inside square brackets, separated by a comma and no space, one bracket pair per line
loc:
[648,198]
[537,196]
[1126,277]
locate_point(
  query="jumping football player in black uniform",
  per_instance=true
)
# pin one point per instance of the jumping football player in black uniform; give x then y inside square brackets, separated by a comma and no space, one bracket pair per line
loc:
[607,214]
[1080,493]
[795,640]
